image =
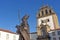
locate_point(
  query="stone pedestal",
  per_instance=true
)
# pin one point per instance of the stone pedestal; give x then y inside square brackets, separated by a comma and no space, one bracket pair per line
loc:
[43,38]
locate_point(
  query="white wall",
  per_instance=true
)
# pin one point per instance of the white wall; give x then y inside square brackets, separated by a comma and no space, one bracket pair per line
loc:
[3,36]
[50,23]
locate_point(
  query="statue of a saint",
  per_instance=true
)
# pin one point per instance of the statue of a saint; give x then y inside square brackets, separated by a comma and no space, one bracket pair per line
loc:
[44,30]
[23,27]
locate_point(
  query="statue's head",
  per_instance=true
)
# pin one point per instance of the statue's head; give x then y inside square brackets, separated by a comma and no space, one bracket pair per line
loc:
[25,17]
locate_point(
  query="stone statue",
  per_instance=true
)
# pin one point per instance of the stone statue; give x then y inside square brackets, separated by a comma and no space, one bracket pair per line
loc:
[44,30]
[24,23]
[18,32]
[23,27]
[44,33]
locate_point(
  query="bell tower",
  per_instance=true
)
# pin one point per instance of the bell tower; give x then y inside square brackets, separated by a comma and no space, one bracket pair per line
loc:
[47,16]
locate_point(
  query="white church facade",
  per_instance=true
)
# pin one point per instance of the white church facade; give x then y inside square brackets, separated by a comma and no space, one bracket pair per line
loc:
[48,17]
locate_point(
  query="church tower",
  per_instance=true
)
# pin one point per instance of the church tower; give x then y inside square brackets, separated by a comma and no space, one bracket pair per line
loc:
[47,16]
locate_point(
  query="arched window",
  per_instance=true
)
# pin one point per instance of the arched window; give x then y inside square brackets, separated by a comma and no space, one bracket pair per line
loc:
[39,14]
[46,11]
[50,11]
[42,13]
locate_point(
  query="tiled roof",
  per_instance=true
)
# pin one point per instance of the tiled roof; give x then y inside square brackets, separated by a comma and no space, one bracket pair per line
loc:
[7,31]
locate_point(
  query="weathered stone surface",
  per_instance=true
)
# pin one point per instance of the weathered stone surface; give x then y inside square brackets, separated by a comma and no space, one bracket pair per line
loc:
[23,29]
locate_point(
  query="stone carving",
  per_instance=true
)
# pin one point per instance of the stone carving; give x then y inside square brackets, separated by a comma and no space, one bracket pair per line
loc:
[44,30]
[25,23]
[44,33]
[23,29]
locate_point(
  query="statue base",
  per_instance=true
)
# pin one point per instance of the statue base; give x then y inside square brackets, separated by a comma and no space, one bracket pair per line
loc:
[43,38]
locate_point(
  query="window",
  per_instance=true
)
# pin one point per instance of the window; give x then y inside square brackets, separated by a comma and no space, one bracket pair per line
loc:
[59,38]
[46,11]
[50,11]
[42,21]
[42,13]
[53,34]
[7,37]
[47,20]
[39,14]
[14,37]
[54,38]
[58,32]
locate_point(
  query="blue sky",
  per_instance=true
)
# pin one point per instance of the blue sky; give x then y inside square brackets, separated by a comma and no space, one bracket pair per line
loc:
[9,12]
